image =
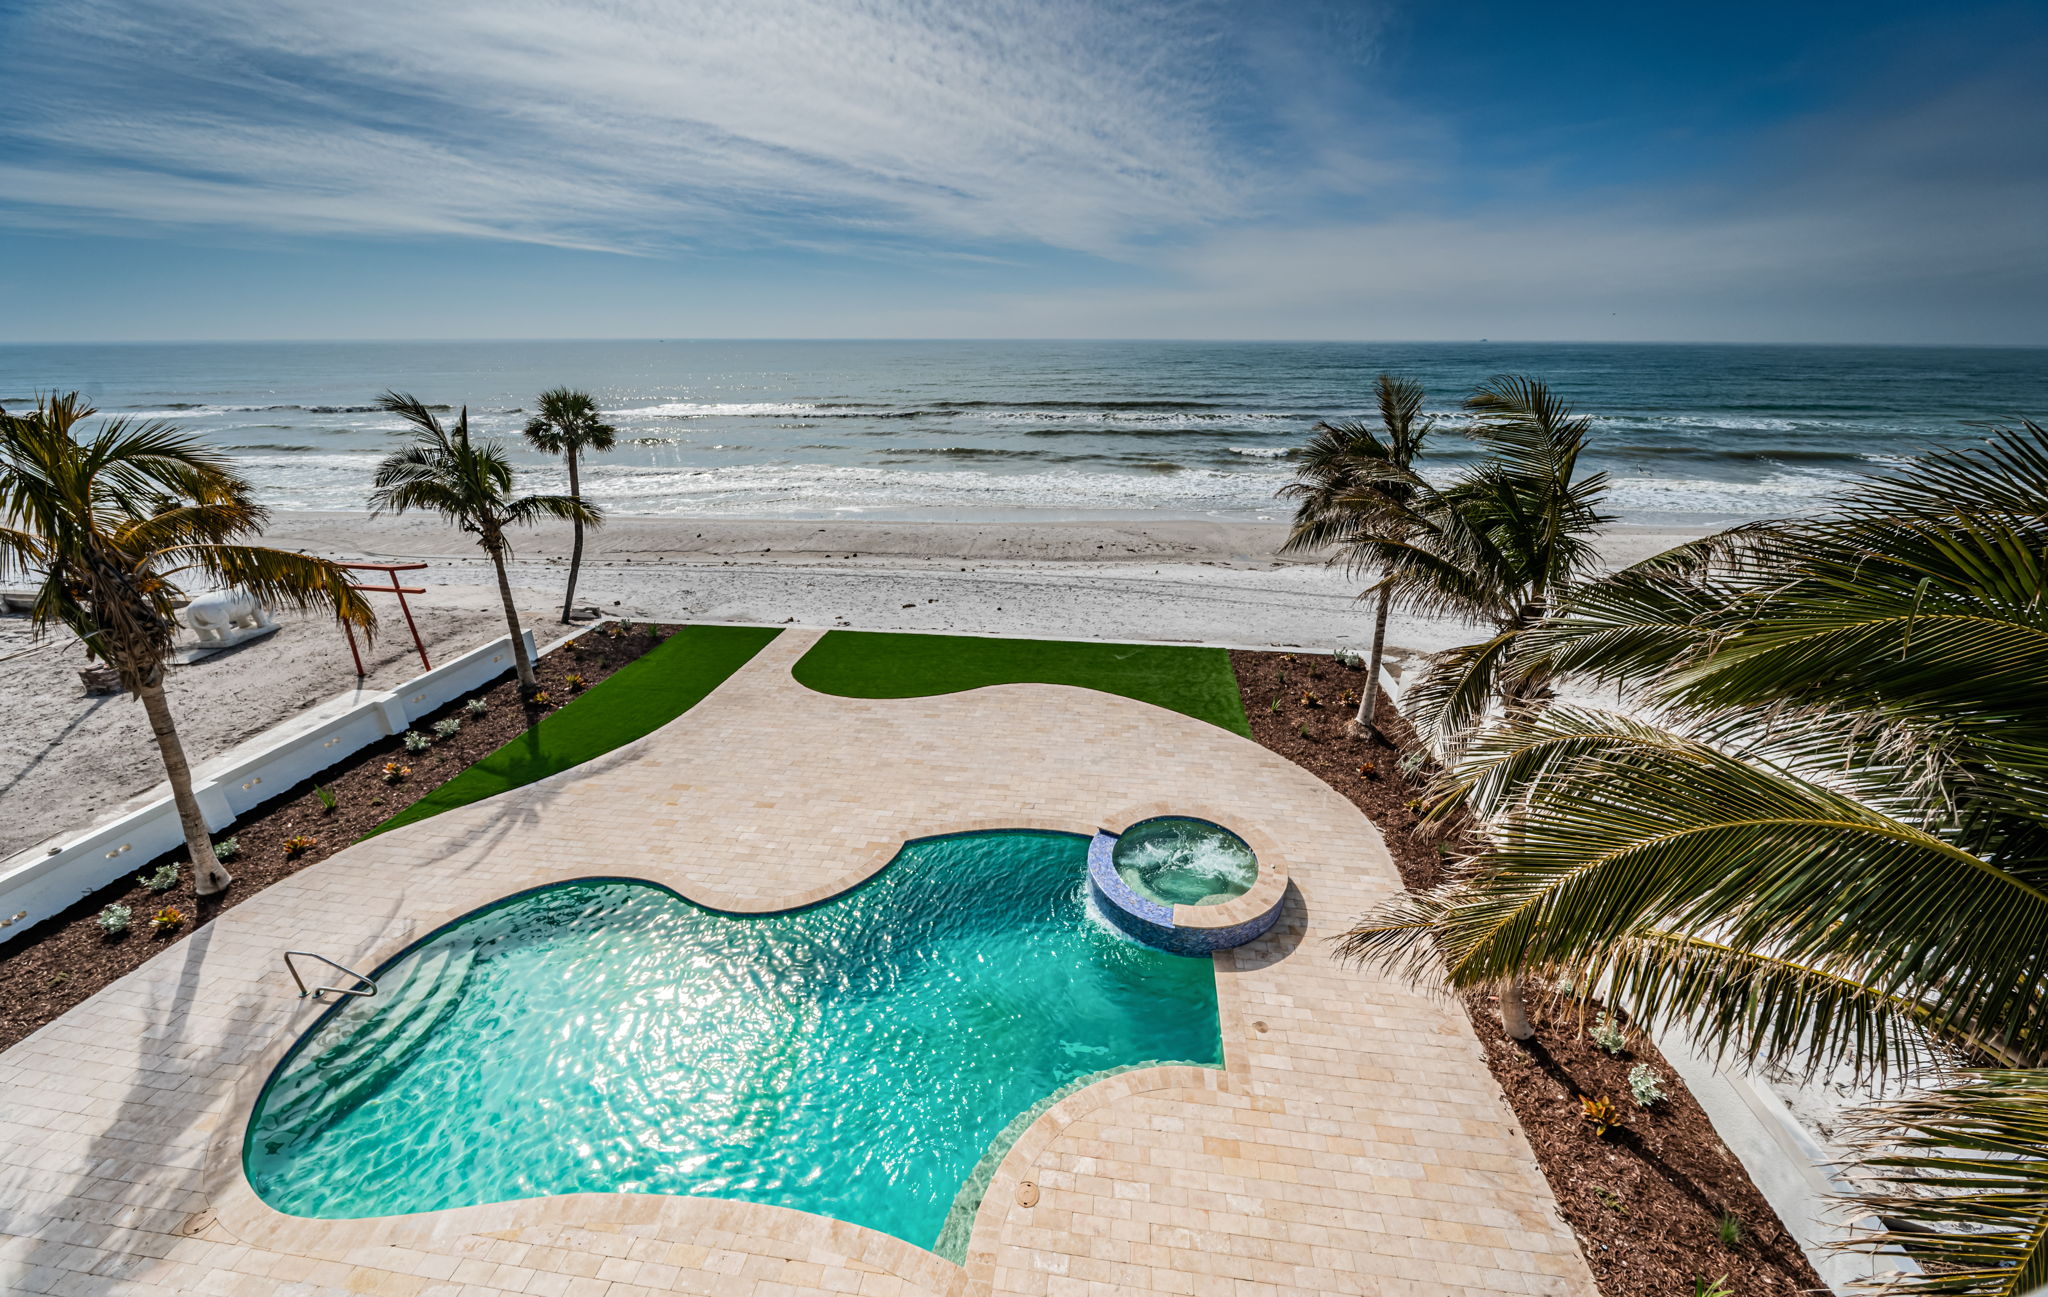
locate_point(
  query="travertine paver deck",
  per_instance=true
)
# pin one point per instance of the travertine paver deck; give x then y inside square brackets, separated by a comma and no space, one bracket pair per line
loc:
[1354,1143]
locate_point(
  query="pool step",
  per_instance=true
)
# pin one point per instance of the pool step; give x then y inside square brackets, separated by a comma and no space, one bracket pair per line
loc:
[377,1039]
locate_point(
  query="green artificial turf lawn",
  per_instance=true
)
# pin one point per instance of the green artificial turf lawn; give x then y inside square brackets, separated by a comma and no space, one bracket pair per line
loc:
[882,664]
[634,701]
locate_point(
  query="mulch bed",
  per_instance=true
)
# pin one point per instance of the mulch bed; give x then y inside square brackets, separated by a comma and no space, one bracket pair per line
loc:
[66,958]
[1649,1201]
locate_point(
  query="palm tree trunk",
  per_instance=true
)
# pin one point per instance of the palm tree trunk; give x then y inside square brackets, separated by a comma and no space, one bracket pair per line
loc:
[208,876]
[576,551]
[524,664]
[1514,1011]
[1369,696]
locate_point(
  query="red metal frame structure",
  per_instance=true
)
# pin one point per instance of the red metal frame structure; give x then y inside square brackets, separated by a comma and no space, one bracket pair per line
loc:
[390,570]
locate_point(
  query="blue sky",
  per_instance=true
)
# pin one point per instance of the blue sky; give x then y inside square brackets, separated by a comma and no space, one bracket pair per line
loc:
[1869,172]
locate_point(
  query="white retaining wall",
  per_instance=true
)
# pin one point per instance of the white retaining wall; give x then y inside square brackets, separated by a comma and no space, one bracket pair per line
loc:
[42,882]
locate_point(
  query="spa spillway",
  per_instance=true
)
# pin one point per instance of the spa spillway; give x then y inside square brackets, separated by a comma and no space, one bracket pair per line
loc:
[1184,885]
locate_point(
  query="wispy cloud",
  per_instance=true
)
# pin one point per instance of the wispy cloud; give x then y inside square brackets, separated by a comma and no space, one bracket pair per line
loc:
[637,124]
[1912,219]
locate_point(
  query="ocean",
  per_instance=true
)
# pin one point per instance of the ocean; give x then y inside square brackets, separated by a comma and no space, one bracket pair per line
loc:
[1691,435]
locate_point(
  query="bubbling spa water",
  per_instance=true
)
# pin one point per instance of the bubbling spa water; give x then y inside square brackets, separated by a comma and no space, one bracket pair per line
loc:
[1177,861]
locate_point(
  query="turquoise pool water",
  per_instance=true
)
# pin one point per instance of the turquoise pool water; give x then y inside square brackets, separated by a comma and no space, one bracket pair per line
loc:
[854,1059]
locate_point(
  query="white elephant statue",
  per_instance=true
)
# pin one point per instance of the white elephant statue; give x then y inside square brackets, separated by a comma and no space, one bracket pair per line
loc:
[223,617]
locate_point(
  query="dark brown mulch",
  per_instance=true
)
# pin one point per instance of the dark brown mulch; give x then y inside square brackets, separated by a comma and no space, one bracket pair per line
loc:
[64,959]
[1649,1201]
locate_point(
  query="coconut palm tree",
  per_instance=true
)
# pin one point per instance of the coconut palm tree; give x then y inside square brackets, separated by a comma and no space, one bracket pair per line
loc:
[1515,533]
[1497,545]
[116,523]
[1350,476]
[1821,839]
[469,483]
[566,423]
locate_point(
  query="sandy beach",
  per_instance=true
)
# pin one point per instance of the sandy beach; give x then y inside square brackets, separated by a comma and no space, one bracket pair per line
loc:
[68,760]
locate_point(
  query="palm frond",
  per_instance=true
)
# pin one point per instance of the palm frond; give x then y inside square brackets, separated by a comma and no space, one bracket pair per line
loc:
[1959,1180]
[1651,831]
[2007,475]
[280,578]
[1455,691]
[1742,1002]
[530,509]
[108,521]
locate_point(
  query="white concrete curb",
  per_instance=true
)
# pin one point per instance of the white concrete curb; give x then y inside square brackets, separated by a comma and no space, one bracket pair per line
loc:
[43,881]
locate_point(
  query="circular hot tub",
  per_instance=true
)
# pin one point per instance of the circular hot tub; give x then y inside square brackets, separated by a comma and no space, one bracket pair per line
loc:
[1174,860]
[1184,884]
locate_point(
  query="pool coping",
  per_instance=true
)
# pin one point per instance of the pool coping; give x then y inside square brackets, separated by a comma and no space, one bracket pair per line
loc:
[236,1207]
[1353,1141]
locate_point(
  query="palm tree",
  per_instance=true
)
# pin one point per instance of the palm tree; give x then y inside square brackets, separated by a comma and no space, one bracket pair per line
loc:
[1508,538]
[469,483]
[1833,849]
[1351,475]
[110,522]
[567,424]
[1497,544]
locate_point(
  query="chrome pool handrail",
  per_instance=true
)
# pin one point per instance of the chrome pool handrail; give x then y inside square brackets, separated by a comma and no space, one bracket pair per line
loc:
[336,991]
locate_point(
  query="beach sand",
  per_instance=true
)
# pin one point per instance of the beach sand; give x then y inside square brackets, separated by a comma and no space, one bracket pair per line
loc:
[67,761]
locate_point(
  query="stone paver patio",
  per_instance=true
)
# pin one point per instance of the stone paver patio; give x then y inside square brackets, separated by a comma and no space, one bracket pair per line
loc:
[1354,1142]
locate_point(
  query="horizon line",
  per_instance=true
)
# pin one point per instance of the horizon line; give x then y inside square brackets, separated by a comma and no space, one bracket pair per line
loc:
[907,338]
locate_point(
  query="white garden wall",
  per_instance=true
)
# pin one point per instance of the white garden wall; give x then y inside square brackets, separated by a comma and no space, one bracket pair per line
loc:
[37,884]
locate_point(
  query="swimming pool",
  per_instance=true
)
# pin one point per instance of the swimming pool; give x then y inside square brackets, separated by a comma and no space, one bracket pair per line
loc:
[854,1059]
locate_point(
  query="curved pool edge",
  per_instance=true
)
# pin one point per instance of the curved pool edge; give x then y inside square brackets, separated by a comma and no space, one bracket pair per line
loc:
[236,1208]
[319,1012]
[957,1234]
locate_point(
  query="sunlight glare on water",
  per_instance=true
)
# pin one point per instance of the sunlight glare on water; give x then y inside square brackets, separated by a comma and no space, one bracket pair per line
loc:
[853,1059]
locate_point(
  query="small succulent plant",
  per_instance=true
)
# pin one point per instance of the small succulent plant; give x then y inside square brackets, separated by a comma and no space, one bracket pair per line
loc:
[416,742]
[114,918]
[1645,1085]
[298,845]
[476,707]
[541,699]
[166,919]
[328,801]
[394,773]
[574,681]
[162,879]
[447,728]
[226,849]
[1607,1034]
